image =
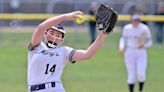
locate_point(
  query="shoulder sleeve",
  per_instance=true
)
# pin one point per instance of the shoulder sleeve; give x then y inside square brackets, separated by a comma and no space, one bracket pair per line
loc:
[31,50]
[69,53]
[35,47]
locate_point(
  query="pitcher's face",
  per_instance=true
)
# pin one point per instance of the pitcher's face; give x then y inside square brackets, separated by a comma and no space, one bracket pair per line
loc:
[54,36]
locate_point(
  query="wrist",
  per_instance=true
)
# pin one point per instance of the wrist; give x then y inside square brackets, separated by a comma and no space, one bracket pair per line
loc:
[69,16]
[102,33]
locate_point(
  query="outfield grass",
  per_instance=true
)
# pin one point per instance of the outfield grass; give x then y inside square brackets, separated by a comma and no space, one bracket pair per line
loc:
[105,72]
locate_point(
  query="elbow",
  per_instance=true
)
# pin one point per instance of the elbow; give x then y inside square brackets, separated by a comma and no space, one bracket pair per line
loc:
[41,27]
[82,55]
[88,56]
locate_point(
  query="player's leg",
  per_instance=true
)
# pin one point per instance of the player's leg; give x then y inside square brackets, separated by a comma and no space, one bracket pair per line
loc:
[141,70]
[92,31]
[131,71]
[159,33]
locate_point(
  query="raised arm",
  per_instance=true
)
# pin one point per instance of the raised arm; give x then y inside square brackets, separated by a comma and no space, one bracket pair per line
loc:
[106,19]
[40,30]
[92,49]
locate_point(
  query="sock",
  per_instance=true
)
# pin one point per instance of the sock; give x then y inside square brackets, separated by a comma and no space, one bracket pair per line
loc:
[141,84]
[131,87]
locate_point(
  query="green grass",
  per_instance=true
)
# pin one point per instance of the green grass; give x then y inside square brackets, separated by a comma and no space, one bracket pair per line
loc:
[105,72]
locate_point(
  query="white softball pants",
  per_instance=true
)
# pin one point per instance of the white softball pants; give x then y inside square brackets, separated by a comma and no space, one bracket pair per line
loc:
[136,63]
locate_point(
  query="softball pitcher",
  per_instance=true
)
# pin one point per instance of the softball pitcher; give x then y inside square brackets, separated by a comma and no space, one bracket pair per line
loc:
[46,59]
[136,37]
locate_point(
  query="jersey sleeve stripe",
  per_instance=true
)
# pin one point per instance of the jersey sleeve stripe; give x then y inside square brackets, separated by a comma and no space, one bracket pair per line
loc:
[30,48]
[71,54]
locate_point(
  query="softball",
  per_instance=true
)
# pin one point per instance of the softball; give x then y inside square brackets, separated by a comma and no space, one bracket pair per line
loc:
[80,19]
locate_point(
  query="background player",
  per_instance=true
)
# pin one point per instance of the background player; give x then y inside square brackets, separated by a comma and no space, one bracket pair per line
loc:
[92,24]
[134,50]
[46,60]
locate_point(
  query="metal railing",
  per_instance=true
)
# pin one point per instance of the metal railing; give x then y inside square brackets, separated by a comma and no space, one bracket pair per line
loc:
[41,16]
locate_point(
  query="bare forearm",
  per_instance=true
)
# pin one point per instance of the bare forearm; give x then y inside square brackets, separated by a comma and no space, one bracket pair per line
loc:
[53,21]
[91,51]
[63,17]
[96,45]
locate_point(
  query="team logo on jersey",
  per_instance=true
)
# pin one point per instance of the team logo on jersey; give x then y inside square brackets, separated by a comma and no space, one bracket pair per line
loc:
[46,52]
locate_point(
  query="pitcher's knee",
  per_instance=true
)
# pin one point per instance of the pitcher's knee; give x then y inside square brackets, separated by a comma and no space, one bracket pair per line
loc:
[141,78]
[131,80]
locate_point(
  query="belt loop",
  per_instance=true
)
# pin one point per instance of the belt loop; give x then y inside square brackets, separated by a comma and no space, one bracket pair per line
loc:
[46,85]
[49,85]
[53,84]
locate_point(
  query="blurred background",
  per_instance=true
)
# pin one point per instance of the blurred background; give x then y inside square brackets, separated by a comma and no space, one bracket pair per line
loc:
[103,73]
[145,7]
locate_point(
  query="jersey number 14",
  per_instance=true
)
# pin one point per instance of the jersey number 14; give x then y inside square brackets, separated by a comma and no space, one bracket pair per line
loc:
[50,69]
